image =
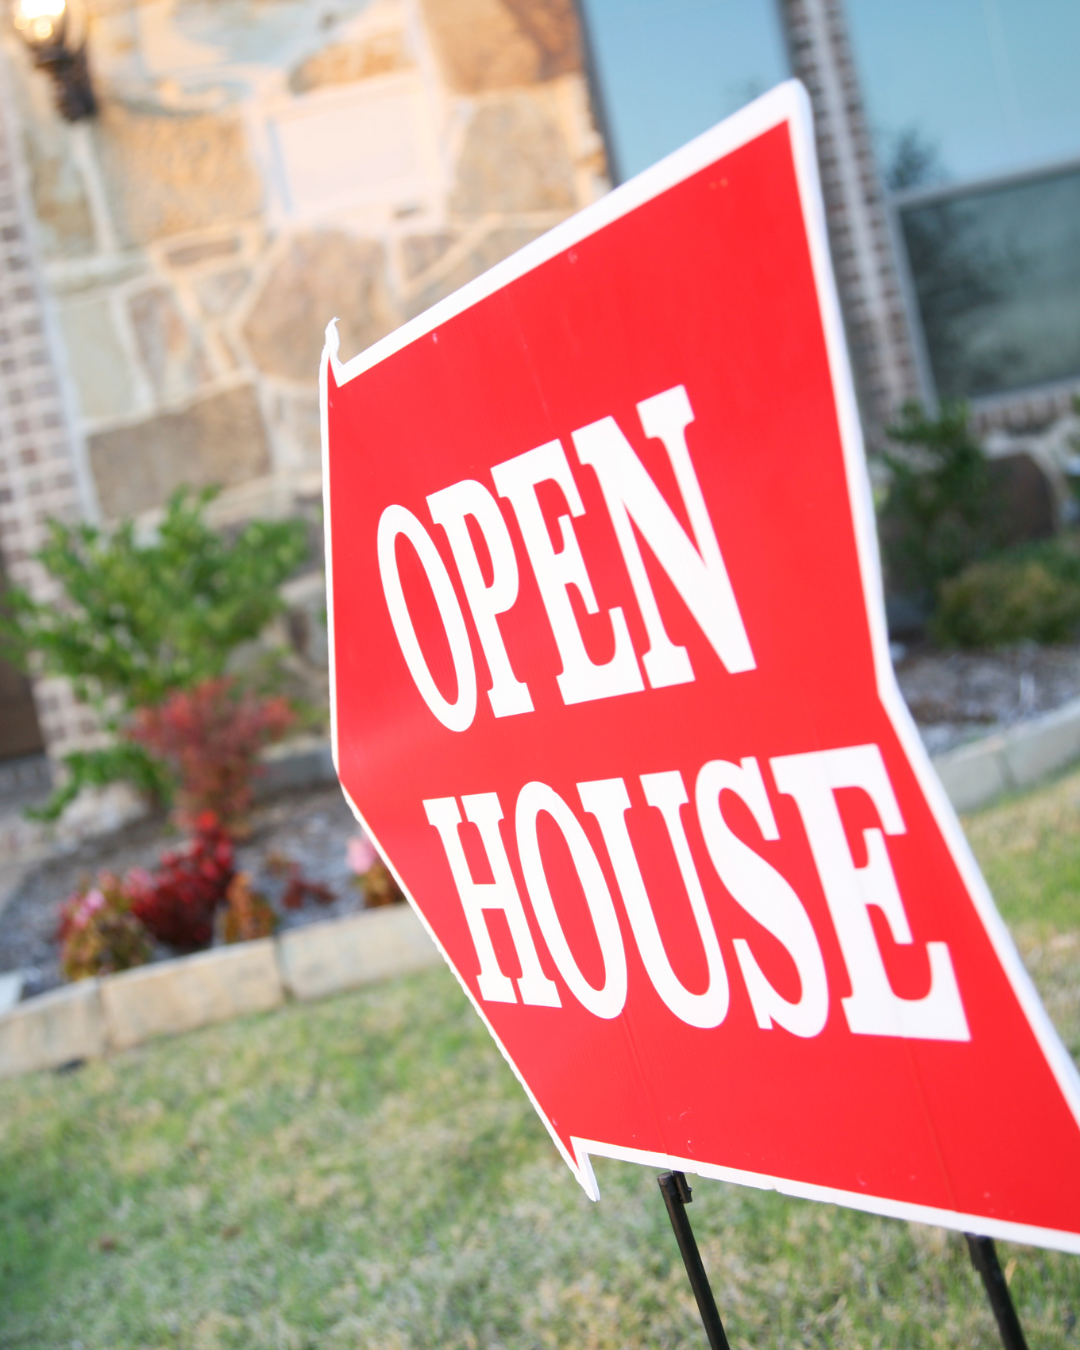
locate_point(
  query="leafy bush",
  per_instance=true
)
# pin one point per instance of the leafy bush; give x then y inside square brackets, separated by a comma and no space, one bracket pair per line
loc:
[177,903]
[940,513]
[140,620]
[98,931]
[210,737]
[1033,593]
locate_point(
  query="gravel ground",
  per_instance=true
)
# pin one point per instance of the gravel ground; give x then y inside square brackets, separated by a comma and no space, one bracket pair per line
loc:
[954,696]
[311,828]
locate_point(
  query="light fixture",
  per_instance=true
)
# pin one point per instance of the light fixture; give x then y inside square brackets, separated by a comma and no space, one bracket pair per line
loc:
[55,33]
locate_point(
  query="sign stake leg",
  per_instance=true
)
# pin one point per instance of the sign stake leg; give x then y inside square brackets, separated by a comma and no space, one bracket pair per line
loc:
[984,1258]
[677,1196]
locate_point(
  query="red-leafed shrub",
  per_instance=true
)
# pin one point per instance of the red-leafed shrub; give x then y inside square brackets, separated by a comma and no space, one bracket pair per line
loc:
[299,888]
[210,736]
[177,902]
[99,933]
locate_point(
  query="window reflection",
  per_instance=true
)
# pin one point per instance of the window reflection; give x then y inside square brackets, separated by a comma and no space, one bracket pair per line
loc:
[959,90]
[991,84]
[670,69]
[996,273]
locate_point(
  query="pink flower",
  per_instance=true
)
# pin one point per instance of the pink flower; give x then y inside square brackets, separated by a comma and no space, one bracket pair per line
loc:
[138,879]
[91,903]
[360,854]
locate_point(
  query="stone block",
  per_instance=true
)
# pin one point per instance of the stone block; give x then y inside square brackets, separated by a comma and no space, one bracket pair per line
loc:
[421,251]
[1045,744]
[555,28]
[97,360]
[190,992]
[320,275]
[11,987]
[187,255]
[53,1029]
[485,45]
[172,355]
[296,427]
[1024,499]
[61,206]
[168,173]
[343,62]
[303,762]
[973,775]
[305,617]
[218,440]
[514,158]
[219,291]
[491,249]
[325,958]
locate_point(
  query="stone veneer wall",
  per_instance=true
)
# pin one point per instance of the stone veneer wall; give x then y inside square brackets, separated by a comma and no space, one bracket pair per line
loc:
[197,237]
[255,170]
[1027,413]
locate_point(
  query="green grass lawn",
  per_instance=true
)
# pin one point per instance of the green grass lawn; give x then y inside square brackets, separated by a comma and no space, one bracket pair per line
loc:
[365,1172]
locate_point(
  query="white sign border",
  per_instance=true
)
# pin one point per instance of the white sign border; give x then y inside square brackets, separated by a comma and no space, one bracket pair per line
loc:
[787,103]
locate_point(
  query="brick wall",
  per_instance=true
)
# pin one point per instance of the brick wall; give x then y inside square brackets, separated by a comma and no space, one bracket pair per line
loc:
[863,258]
[168,268]
[39,469]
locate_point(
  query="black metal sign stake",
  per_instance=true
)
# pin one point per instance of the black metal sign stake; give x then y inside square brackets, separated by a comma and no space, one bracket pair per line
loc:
[676,1192]
[984,1258]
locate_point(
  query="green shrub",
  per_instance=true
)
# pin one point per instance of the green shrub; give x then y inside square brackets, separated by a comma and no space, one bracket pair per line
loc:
[142,619]
[939,514]
[1007,599]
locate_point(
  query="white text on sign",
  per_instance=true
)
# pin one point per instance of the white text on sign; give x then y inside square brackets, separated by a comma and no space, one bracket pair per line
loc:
[872,1008]
[696,568]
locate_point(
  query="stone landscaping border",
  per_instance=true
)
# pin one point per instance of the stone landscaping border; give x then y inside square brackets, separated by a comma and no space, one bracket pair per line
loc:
[89,1019]
[1020,757]
[972,774]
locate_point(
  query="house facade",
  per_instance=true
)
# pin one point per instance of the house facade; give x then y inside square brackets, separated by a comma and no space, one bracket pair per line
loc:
[167,266]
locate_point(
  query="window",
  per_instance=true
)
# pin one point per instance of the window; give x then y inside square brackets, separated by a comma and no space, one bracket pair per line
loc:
[996,273]
[670,69]
[960,92]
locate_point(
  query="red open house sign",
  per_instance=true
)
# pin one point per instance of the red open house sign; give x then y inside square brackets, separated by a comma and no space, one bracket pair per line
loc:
[612,694]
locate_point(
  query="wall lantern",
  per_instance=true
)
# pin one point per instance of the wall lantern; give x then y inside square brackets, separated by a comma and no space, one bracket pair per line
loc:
[55,33]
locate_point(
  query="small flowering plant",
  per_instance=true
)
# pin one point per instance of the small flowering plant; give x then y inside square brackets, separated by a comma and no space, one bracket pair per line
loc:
[177,902]
[98,931]
[360,854]
[371,873]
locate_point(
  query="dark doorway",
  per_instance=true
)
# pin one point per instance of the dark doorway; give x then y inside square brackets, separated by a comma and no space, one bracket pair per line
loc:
[20,734]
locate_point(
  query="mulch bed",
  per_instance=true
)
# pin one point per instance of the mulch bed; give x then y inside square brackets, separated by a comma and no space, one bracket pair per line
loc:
[954,696]
[310,828]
